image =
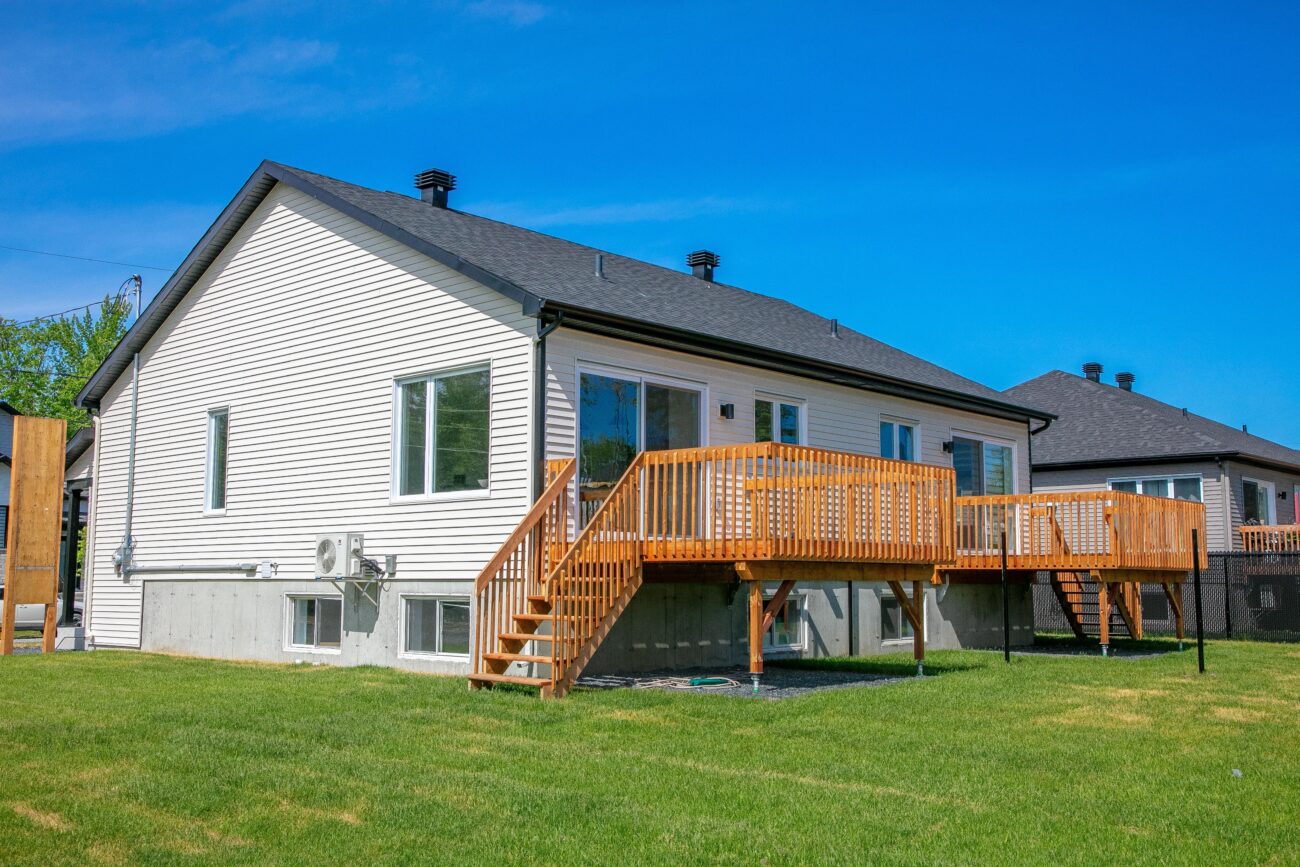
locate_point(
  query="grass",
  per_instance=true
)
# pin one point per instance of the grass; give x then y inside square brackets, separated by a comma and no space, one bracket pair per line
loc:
[116,757]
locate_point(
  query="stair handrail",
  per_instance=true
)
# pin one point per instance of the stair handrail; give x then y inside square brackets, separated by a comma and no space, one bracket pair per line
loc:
[521,563]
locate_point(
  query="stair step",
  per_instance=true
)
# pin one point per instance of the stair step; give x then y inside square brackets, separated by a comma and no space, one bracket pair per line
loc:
[485,677]
[524,636]
[534,618]
[517,657]
[567,598]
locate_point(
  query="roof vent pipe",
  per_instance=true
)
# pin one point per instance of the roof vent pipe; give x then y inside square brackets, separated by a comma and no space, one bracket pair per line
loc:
[835,328]
[1092,370]
[1125,380]
[434,185]
[600,264]
[702,263]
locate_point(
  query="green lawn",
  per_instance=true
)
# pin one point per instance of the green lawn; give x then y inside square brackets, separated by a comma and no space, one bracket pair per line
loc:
[133,758]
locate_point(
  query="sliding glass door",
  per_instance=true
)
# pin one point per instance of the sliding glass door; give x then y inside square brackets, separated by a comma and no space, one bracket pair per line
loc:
[618,416]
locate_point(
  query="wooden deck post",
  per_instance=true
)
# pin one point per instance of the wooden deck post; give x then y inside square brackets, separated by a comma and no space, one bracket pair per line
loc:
[918,633]
[755,631]
[1103,613]
[1176,603]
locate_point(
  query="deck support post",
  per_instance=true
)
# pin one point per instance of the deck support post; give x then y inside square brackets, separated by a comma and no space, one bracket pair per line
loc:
[918,633]
[1176,603]
[1103,613]
[755,632]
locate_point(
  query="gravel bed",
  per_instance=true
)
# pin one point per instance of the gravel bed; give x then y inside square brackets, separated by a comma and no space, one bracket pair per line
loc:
[776,682]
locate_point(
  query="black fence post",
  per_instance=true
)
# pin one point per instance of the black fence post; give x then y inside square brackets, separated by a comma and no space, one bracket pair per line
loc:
[1227,600]
[1006,604]
[1196,589]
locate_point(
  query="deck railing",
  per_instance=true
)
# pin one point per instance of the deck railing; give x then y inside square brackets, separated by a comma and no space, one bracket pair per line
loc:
[520,567]
[1080,531]
[1275,538]
[784,502]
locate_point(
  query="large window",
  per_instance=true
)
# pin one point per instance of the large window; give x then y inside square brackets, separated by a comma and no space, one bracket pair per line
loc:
[776,421]
[315,622]
[218,433]
[1257,502]
[436,626]
[898,440]
[1177,487]
[787,629]
[983,468]
[442,434]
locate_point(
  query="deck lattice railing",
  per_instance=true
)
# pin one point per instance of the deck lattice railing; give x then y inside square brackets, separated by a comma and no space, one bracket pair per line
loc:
[1078,530]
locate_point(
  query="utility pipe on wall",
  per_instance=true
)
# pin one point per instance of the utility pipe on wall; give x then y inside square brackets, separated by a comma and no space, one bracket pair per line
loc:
[125,552]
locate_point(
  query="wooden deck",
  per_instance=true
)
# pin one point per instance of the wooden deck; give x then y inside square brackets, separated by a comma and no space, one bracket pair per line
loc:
[1271,539]
[759,508]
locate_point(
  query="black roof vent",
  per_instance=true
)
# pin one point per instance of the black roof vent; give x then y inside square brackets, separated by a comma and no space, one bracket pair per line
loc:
[1125,380]
[702,263]
[434,185]
[1092,370]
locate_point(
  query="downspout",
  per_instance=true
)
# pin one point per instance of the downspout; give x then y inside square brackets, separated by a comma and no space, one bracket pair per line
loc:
[1033,432]
[539,401]
[1225,497]
[123,556]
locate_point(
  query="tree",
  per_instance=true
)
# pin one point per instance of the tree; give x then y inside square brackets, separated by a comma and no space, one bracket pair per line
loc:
[44,363]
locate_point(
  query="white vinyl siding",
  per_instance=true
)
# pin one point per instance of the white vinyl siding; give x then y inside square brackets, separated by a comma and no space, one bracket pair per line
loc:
[301,326]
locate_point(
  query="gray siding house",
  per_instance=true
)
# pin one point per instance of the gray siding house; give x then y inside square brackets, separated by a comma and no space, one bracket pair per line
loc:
[1113,437]
[332,358]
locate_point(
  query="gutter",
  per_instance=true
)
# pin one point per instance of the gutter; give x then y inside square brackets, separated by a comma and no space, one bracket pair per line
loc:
[1171,459]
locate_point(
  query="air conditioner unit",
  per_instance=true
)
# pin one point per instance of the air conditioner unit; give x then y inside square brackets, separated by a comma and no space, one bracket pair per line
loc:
[338,555]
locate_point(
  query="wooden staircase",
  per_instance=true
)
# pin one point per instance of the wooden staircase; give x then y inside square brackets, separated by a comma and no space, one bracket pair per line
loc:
[1080,596]
[551,617]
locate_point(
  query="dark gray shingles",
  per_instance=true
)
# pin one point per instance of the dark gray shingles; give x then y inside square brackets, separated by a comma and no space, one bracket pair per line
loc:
[1100,422]
[563,273]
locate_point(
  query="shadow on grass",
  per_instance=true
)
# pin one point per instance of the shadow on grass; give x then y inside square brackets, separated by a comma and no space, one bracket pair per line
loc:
[873,665]
[1067,643]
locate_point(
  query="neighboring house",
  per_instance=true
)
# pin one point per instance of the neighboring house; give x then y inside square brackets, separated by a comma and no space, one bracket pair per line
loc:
[334,358]
[1113,437]
[7,414]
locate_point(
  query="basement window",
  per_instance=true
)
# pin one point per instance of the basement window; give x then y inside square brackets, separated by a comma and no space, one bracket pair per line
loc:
[787,629]
[436,626]
[315,622]
[441,434]
[894,622]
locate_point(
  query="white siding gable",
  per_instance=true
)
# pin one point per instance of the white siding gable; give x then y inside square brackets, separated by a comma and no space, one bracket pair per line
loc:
[300,327]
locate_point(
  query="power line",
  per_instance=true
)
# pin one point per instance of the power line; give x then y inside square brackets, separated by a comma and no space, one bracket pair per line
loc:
[121,293]
[82,258]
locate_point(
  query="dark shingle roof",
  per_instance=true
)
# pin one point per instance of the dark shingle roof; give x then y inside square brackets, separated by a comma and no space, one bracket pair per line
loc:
[546,272]
[1099,423]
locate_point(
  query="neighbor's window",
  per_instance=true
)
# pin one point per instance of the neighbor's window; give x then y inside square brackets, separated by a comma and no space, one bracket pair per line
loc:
[776,421]
[317,621]
[437,626]
[442,433]
[218,430]
[1177,487]
[1256,501]
[786,631]
[983,468]
[898,440]
[894,623]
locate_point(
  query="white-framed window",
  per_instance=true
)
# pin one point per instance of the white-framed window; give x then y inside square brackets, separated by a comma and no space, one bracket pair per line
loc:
[1176,487]
[214,488]
[984,467]
[441,433]
[898,439]
[787,631]
[894,622]
[435,625]
[778,420]
[314,622]
[1257,503]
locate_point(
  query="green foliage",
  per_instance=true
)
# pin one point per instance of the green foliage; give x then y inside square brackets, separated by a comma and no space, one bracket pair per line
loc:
[134,758]
[43,364]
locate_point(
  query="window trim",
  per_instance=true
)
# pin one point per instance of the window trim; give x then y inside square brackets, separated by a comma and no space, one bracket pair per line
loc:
[1270,496]
[1110,483]
[883,594]
[776,400]
[404,598]
[208,456]
[896,421]
[289,646]
[988,439]
[800,598]
[395,497]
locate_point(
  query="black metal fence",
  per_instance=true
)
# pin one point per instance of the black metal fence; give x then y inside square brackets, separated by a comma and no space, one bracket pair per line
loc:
[1254,596]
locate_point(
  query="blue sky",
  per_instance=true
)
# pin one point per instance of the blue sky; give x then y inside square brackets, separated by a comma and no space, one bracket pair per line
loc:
[1000,188]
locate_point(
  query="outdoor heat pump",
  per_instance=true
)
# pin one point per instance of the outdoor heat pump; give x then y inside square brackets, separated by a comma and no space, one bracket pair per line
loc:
[339,555]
